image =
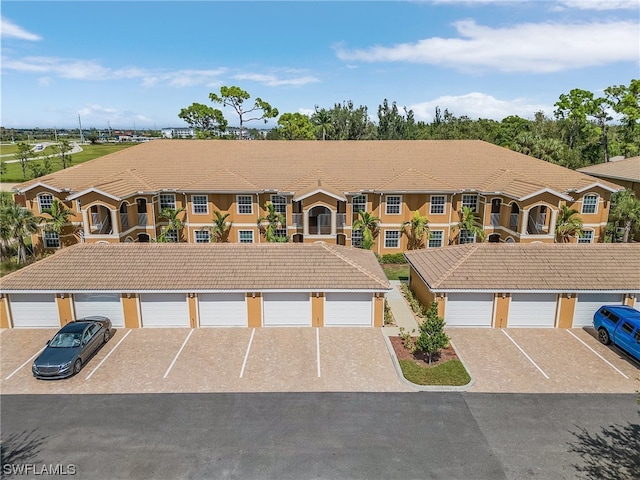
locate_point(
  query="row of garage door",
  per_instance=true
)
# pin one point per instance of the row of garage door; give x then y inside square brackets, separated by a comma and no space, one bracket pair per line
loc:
[214,309]
[525,309]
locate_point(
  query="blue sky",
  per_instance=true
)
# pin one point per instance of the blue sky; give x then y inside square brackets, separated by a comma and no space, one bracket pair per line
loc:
[136,64]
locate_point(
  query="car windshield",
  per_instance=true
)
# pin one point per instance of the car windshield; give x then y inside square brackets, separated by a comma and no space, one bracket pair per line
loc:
[66,340]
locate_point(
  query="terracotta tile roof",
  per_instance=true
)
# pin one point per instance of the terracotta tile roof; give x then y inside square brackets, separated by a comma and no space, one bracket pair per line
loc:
[201,267]
[627,169]
[530,266]
[291,166]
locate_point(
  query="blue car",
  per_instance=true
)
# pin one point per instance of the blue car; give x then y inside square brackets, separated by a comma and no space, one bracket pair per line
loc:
[620,325]
[75,343]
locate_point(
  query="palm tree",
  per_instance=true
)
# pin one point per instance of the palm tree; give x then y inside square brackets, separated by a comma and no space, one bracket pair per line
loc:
[368,224]
[469,225]
[20,222]
[416,230]
[221,227]
[626,212]
[174,224]
[59,217]
[322,119]
[567,225]
[271,222]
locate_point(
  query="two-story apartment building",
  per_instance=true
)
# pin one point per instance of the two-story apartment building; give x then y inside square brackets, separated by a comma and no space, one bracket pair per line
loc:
[319,187]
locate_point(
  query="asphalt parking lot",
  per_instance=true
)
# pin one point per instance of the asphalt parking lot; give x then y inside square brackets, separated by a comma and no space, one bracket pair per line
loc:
[317,360]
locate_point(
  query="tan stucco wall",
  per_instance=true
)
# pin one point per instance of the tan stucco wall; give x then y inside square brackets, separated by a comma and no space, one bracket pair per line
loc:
[566,310]
[131,312]
[65,309]
[4,312]
[501,310]
[192,300]
[419,289]
[378,311]
[254,310]
[317,310]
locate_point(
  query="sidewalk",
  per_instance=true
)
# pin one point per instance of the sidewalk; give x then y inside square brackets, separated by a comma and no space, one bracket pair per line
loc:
[401,311]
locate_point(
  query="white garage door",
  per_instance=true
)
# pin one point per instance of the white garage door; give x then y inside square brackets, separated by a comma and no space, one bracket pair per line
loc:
[532,310]
[164,310]
[287,310]
[588,303]
[222,309]
[468,310]
[34,310]
[103,304]
[348,310]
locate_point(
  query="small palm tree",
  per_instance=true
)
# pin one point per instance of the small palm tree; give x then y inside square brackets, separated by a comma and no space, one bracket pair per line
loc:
[469,224]
[416,230]
[272,222]
[322,120]
[221,228]
[368,224]
[18,222]
[568,225]
[174,224]
[59,217]
[626,212]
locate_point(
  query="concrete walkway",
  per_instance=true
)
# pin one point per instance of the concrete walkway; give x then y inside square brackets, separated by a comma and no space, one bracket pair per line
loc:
[401,311]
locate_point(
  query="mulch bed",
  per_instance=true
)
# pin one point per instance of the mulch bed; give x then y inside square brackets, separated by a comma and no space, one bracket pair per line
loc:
[421,358]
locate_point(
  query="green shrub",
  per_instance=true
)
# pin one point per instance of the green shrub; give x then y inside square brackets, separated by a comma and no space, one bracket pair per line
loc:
[432,336]
[393,258]
[449,373]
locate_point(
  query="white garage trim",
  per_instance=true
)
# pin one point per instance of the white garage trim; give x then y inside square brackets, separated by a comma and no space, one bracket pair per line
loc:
[164,310]
[34,310]
[468,309]
[286,309]
[348,310]
[103,304]
[222,309]
[529,310]
[587,304]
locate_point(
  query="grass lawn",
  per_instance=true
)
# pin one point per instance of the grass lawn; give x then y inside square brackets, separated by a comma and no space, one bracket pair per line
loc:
[395,270]
[89,152]
[449,373]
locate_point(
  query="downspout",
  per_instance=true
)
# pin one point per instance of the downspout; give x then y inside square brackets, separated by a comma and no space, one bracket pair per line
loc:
[186,215]
[379,236]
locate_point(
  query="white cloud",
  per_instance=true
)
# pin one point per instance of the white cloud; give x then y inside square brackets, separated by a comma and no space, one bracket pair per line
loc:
[9,29]
[274,81]
[478,105]
[601,4]
[532,47]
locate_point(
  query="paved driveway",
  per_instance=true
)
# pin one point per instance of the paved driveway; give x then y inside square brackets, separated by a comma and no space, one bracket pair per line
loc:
[543,361]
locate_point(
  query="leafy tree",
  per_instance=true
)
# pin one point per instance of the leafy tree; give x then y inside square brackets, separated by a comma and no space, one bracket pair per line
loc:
[368,224]
[24,154]
[62,150]
[172,216]
[58,217]
[93,136]
[416,230]
[469,226]
[625,212]
[203,119]
[625,101]
[432,337]
[40,169]
[19,223]
[235,97]
[271,222]
[295,126]
[221,228]
[392,125]
[322,120]
[572,110]
[568,225]
[349,123]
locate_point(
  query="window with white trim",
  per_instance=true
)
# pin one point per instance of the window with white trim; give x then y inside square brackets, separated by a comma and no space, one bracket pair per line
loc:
[51,239]
[437,204]
[171,236]
[45,201]
[359,203]
[590,204]
[280,233]
[167,200]
[436,238]
[200,204]
[203,236]
[245,204]
[393,204]
[470,201]
[279,203]
[586,236]
[466,236]
[356,238]
[391,239]
[245,236]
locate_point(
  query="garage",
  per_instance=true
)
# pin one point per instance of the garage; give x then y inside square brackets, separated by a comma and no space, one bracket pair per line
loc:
[469,310]
[588,303]
[103,304]
[34,310]
[290,309]
[222,309]
[348,310]
[532,310]
[164,310]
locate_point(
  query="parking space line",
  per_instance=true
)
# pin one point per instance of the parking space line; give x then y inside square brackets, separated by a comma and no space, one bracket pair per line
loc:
[246,355]
[108,354]
[525,354]
[601,357]
[318,350]
[178,354]
[25,363]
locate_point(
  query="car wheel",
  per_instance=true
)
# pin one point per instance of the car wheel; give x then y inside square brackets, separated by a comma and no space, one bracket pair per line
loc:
[107,336]
[77,366]
[603,336]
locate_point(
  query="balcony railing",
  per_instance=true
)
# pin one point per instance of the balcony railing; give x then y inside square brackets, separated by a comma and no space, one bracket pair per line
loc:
[124,220]
[142,219]
[495,219]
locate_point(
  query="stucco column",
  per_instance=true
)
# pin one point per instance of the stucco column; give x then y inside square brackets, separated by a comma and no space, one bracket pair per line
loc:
[85,222]
[305,222]
[525,221]
[552,223]
[114,222]
[333,222]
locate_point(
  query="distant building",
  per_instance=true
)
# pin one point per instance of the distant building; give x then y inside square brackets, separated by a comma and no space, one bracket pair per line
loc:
[181,132]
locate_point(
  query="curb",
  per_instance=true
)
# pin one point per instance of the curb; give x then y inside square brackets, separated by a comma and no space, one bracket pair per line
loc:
[428,388]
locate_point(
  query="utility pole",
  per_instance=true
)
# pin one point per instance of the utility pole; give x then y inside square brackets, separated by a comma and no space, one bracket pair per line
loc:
[81,134]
